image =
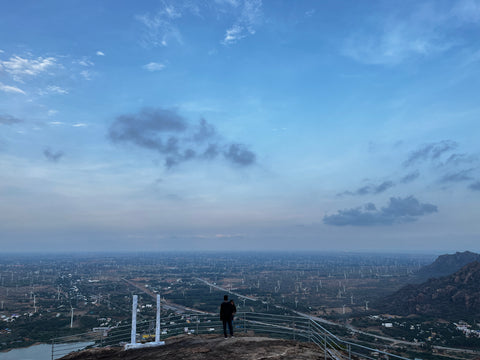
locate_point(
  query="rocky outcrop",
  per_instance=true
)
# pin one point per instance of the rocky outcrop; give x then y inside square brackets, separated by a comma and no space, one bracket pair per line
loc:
[202,347]
[446,265]
[456,296]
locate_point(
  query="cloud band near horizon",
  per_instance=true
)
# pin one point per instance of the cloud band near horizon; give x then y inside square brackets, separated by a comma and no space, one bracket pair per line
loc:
[399,210]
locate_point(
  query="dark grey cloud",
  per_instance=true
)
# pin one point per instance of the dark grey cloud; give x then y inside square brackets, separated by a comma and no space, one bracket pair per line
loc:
[449,167]
[371,189]
[429,152]
[460,159]
[173,197]
[398,211]
[364,190]
[211,152]
[53,156]
[239,154]
[168,133]
[475,186]
[155,129]
[458,176]
[204,132]
[370,207]
[178,158]
[382,187]
[9,120]
[410,177]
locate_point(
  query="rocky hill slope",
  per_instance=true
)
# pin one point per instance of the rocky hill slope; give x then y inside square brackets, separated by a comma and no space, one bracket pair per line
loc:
[456,296]
[446,265]
[202,347]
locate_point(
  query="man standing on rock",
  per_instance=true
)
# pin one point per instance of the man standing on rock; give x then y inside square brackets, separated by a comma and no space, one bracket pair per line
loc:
[226,314]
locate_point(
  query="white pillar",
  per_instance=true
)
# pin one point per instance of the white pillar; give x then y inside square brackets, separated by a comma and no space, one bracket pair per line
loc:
[134,320]
[157,327]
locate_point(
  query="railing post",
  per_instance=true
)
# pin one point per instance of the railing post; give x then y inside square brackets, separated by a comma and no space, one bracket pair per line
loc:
[325,345]
[309,330]
[244,322]
[53,345]
[349,351]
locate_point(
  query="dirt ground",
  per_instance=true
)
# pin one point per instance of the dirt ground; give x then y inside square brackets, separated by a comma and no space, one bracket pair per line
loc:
[202,347]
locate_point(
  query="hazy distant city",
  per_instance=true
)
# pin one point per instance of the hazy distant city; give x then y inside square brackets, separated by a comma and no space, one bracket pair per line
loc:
[39,293]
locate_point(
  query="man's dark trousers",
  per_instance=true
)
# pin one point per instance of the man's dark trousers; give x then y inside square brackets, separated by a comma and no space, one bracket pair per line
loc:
[230,327]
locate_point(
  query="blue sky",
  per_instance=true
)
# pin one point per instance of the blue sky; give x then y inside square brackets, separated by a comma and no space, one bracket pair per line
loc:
[240,125]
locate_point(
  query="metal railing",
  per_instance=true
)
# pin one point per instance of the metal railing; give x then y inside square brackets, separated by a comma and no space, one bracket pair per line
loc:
[278,326]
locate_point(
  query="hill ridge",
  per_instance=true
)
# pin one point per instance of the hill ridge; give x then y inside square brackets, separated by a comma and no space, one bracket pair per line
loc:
[455,296]
[445,265]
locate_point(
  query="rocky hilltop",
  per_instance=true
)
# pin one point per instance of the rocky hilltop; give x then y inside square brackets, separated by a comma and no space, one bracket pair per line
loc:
[446,265]
[202,347]
[456,296]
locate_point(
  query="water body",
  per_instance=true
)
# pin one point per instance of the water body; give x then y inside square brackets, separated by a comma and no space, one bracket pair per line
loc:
[39,352]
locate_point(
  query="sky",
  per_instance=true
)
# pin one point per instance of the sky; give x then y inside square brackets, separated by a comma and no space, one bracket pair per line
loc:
[240,125]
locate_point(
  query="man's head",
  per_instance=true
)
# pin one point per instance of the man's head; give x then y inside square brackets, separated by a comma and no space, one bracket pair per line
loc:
[225,297]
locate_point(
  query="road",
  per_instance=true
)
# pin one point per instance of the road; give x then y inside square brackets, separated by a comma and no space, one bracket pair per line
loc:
[167,305]
[227,291]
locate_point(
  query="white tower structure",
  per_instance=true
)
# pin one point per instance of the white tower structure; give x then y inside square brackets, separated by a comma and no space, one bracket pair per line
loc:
[133,339]
[157,325]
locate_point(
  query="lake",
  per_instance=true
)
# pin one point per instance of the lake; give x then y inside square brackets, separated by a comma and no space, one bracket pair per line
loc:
[41,351]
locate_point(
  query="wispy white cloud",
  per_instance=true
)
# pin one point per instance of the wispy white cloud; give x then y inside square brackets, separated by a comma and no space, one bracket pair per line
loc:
[19,67]
[87,74]
[234,3]
[160,28]
[56,89]
[52,112]
[79,125]
[249,18]
[467,10]
[53,89]
[427,29]
[11,89]
[171,12]
[233,34]
[56,123]
[84,62]
[154,66]
[100,53]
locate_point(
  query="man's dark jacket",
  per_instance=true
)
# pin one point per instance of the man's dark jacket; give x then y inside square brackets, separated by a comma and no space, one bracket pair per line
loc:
[226,311]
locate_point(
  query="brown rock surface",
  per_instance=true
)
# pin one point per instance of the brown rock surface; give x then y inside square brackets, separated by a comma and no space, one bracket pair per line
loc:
[202,347]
